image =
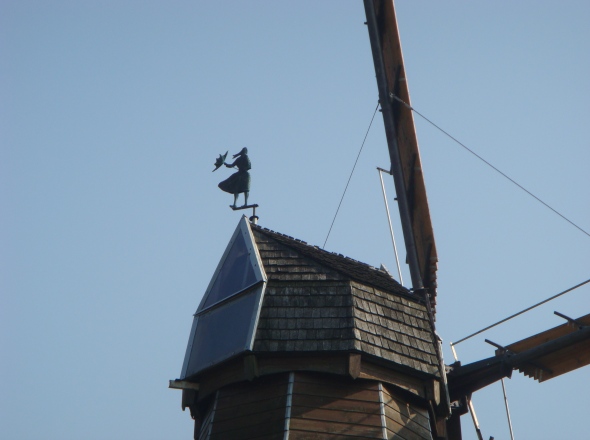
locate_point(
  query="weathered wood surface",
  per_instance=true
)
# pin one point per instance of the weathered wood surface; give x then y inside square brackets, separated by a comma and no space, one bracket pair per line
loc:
[205,426]
[334,363]
[405,419]
[288,259]
[213,379]
[309,435]
[314,302]
[327,427]
[351,409]
[323,406]
[559,361]
[387,47]
[394,328]
[546,336]
[251,409]
[404,381]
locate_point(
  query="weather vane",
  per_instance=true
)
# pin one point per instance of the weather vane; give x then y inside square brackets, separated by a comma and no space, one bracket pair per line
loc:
[239,182]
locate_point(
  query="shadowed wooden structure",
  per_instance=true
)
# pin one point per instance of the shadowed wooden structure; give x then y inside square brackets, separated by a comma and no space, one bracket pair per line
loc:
[340,350]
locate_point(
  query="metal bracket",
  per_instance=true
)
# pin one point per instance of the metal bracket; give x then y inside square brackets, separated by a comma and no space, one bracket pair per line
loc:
[571,320]
[505,352]
[254,218]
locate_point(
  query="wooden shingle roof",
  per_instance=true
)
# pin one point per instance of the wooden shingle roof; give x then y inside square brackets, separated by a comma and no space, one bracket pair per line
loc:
[298,260]
[317,301]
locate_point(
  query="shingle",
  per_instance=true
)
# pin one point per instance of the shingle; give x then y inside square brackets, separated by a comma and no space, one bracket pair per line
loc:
[336,264]
[369,348]
[318,301]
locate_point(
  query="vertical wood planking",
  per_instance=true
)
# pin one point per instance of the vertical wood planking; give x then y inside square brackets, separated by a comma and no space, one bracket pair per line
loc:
[325,407]
[404,419]
[208,422]
[251,410]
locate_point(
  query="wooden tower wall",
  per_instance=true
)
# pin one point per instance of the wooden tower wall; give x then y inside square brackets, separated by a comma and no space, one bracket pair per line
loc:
[403,420]
[312,406]
[324,407]
[249,410]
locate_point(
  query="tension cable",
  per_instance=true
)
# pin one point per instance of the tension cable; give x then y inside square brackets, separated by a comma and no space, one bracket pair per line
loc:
[350,177]
[489,164]
[520,313]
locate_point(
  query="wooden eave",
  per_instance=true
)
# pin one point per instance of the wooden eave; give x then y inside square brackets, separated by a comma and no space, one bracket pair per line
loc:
[351,365]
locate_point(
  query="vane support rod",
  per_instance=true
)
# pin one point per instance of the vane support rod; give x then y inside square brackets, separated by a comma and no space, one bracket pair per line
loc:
[507,410]
[474,418]
[399,270]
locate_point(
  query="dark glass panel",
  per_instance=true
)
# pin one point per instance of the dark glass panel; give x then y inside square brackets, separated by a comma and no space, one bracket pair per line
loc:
[223,332]
[235,275]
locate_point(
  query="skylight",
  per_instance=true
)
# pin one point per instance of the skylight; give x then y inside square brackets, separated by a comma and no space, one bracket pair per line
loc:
[225,322]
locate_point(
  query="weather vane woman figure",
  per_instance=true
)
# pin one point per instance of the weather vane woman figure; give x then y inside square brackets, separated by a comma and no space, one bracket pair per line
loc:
[238,182]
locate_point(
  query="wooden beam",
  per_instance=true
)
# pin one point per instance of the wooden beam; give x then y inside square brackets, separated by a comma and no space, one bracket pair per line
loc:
[403,381]
[354,365]
[560,355]
[402,143]
[250,367]
[182,385]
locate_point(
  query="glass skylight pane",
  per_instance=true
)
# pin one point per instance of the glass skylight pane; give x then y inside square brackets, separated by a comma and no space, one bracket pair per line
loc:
[235,275]
[223,331]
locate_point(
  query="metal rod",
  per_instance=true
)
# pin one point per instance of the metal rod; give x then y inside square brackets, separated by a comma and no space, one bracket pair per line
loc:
[454,352]
[289,405]
[520,313]
[399,270]
[470,404]
[495,345]
[474,418]
[507,410]
[570,320]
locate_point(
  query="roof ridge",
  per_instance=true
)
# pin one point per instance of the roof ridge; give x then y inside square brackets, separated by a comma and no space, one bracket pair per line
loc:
[347,266]
[319,248]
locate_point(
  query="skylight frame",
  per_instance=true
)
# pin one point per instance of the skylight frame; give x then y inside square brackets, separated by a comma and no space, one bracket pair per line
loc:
[243,229]
[256,289]
[216,315]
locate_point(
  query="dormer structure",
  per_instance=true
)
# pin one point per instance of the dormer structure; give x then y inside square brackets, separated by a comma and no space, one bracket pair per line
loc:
[291,340]
[225,322]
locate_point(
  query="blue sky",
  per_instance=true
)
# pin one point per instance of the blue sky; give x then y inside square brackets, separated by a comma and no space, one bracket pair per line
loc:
[111,117]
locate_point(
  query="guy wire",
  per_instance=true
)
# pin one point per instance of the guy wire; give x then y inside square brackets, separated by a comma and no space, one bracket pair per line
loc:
[350,177]
[520,313]
[490,165]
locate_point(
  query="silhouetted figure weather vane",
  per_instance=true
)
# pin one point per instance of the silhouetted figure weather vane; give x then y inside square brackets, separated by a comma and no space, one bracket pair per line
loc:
[238,182]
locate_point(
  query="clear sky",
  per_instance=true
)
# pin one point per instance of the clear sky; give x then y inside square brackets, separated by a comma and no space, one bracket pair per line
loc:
[113,112]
